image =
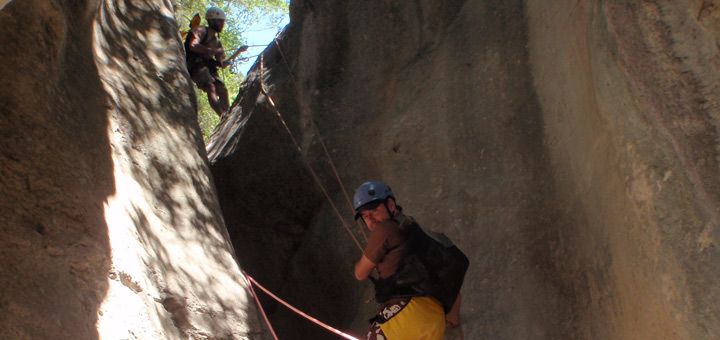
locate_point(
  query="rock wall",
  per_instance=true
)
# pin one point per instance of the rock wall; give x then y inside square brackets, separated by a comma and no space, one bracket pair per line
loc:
[111,225]
[632,128]
[569,148]
[3,3]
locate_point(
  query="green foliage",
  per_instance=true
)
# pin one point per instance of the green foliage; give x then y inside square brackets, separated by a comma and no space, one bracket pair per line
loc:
[242,15]
[207,118]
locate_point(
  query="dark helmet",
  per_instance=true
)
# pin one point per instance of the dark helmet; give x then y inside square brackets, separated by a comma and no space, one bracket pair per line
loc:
[370,192]
[214,13]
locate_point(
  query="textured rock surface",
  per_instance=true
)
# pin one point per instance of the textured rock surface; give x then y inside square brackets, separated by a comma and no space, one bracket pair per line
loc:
[111,225]
[569,147]
[3,3]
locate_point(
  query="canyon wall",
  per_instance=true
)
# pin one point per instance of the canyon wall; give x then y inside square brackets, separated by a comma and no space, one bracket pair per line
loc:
[111,224]
[569,148]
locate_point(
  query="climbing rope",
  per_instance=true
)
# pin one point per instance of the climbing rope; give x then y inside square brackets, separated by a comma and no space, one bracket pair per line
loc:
[257,301]
[317,130]
[251,280]
[282,54]
[292,308]
[322,142]
[245,59]
[305,161]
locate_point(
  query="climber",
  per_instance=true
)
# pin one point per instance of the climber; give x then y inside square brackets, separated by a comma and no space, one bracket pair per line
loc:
[205,54]
[400,315]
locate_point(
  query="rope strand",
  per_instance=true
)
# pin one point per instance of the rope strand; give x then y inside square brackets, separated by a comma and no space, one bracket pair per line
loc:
[347,197]
[299,312]
[322,142]
[257,301]
[305,161]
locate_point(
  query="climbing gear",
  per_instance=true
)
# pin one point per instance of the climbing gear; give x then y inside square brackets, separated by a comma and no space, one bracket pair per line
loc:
[260,306]
[304,159]
[389,309]
[194,23]
[386,312]
[292,308]
[432,266]
[192,59]
[370,192]
[417,296]
[241,60]
[214,13]
[233,59]
[316,130]
[421,318]
[195,61]
[237,52]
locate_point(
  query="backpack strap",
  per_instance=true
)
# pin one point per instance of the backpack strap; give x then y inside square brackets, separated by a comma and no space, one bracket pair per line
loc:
[194,59]
[204,38]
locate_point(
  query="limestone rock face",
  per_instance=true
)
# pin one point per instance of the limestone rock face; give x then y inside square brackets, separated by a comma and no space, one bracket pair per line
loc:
[110,223]
[569,148]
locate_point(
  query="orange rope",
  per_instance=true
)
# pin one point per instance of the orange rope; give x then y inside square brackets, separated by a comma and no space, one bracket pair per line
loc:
[322,143]
[337,176]
[262,310]
[307,163]
[299,312]
[292,76]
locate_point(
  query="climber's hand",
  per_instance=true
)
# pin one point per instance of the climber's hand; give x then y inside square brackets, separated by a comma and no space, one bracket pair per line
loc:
[218,53]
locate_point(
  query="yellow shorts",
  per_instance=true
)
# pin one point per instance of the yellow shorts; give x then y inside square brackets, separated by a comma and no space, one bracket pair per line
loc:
[422,319]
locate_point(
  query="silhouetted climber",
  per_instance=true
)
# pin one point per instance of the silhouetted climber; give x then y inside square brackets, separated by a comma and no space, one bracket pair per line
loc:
[419,273]
[205,55]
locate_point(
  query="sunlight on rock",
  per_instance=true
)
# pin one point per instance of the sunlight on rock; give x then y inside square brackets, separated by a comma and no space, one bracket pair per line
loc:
[569,148]
[173,273]
[160,55]
[153,261]
[3,3]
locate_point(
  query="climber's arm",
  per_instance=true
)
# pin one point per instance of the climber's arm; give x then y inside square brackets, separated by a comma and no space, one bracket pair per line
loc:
[363,267]
[197,47]
[452,318]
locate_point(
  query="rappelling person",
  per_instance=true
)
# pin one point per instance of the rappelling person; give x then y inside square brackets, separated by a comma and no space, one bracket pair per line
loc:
[205,56]
[419,273]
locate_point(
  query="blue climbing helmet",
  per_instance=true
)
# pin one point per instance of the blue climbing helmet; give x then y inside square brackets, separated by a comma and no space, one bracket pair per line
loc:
[370,192]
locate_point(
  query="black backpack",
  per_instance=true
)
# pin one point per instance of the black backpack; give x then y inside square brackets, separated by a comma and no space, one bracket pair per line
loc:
[432,266]
[194,23]
[193,59]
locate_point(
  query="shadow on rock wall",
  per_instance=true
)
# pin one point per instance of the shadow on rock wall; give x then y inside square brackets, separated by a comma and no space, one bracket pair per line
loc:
[95,94]
[270,200]
[55,172]
[177,220]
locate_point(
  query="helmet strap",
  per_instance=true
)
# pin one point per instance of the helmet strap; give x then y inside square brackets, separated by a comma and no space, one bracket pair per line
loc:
[392,216]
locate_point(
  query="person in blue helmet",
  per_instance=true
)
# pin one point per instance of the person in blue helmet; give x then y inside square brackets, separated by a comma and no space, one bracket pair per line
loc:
[399,317]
